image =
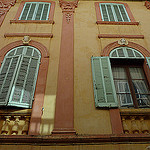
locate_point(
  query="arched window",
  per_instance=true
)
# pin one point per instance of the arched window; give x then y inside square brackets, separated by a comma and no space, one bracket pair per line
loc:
[18,75]
[119,80]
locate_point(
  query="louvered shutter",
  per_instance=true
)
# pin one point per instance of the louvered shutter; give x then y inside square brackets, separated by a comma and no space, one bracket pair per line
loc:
[31,12]
[123,13]
[23,89]
[117,12]
[104,89]
[25,11]
[110,13]
[35,11]
[46,12]
[148,61]
[7,75]
[104,12]
[39,12]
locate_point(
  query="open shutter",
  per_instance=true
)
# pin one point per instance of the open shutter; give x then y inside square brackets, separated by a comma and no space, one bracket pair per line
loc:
[7,75]
[104,89]
[148,61]
[24,86]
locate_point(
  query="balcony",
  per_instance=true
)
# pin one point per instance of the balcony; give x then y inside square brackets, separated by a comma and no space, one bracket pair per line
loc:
[14,122]
[135,121]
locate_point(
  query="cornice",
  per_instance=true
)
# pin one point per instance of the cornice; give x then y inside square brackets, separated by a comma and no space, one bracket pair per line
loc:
[68,6]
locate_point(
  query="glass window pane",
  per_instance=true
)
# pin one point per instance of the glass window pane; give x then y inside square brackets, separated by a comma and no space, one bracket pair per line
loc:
[119,73]
[136,73]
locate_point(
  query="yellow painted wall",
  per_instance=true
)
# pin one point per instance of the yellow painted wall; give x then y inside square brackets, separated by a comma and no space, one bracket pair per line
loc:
[53,47]
[87,119]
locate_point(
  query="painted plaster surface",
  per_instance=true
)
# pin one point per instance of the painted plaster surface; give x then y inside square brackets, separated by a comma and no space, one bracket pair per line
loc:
[88,119]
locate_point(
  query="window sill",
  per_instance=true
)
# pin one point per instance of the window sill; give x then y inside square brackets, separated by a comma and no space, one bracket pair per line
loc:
[33,21]
[142,111]
[117,23]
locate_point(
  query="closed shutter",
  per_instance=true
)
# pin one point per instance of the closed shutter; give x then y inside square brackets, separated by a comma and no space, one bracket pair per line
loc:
[25,11]
[117,12]
[123,13]
[110,13]
[104,12]
[46,12]
[114,12]
[104,89]
[35,11]
[31,12]
[7,75]
[24,85]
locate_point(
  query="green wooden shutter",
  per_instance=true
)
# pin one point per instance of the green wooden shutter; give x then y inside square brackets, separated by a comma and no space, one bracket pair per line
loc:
[35,11]
[104,89]
[148,61]
[46,12]
[39,12]
[24,85]
[110,13]
[25,11]
[117,12]
[7,75]
[104,12]
[123,13]
[31,11]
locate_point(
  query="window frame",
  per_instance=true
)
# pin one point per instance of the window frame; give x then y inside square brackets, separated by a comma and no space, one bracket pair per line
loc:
[36,114]
[99,15]
[21,7]
[129,80]
[12,86]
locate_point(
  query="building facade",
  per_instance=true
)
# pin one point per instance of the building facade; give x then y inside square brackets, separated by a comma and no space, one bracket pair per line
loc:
[74,75]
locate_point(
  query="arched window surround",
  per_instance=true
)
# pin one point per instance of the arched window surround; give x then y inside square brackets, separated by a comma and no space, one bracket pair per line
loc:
[115,113]
[34,128]
[106,51]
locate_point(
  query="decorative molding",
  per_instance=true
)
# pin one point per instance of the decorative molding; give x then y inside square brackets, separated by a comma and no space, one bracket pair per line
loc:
[117,23]
[44,35]
[68,17]
[68,6]
[120,36]
[5,5]
[75,139]
[33,21]
[147,4]
[111,46]
[123,42]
